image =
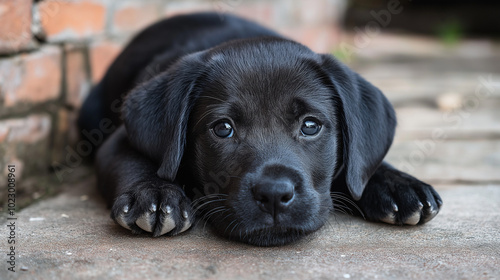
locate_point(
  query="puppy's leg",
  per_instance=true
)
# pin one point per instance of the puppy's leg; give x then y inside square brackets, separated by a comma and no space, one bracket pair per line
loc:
[394,197]
[141,201]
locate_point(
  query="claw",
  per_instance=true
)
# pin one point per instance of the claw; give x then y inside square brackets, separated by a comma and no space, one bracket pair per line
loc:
[429,204]
[168,225]
[395,207]
[185,214]
[413,219]
[152,208]
[166,209]
[144,223]
[186,226]
[420,205]
[121,221]
[432,214]
[125,209]
[440,202]
[390,219]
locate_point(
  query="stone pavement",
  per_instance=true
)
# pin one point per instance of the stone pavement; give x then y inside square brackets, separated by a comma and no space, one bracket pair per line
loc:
[448,135]
[72,237]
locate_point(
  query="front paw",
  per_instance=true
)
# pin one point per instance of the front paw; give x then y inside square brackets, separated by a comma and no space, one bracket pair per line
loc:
[155,209]
[394,197]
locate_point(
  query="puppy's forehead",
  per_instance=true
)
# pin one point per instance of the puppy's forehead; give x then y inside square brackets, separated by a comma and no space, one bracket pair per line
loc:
[265,77]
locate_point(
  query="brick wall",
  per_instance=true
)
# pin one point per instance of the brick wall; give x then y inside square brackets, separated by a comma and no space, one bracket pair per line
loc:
[53,51]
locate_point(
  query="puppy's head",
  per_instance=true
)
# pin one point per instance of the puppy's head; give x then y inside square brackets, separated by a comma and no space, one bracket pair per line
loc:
[260,129]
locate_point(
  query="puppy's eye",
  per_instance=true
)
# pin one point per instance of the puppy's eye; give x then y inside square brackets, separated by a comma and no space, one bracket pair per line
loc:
[223,130]
[310,128]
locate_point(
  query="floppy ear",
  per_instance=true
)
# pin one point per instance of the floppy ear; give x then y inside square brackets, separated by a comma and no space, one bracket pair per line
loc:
[367,123]
[156,113]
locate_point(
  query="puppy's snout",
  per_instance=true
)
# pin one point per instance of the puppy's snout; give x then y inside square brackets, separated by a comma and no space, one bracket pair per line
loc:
[274,195]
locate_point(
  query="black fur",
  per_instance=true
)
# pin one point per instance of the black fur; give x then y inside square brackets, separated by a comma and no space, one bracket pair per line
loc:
[269,183]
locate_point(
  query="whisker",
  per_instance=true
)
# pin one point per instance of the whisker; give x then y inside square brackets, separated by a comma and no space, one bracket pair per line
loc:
[229,225]
[209,196]
[225,217]
[343,211]
[206,203]
[236,225]
[213,213]
[341,205]
[336,217]
[329,224]
[207,215]
[338,197]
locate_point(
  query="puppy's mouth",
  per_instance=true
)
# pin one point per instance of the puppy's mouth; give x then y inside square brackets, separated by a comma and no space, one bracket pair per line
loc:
[271,236]
[254,227]
[251,227]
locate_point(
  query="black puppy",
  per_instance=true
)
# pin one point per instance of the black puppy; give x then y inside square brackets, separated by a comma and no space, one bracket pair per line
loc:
[259,131]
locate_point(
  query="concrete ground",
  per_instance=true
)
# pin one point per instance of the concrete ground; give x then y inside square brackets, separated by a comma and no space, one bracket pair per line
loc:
[447,135]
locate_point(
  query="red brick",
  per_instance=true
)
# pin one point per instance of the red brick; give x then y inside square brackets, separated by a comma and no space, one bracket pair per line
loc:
[73,133]
[313,12]
[261,12]
[63,20]
[318,39]
[178,7]
[15,27]
[9,158]
[102,55]
[25,143]
[77,81]
[31,78]
[3,132]
[133,16]
[27,130]
[66,133]
[62,126]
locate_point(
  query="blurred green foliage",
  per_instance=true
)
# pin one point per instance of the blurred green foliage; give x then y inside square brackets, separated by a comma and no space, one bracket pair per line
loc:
[450,32]
[342,55]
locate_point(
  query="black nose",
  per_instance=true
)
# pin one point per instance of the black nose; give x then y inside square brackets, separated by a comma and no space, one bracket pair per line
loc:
[274,195]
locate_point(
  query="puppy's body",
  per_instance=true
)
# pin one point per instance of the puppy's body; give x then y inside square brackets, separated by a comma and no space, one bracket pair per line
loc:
[258,129]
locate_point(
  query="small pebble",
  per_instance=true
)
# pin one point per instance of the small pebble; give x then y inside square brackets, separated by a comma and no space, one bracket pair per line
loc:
[69,253]
[449,101]
[347,276]
[24,268]
[64,216]
[34,219]
[84,197]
